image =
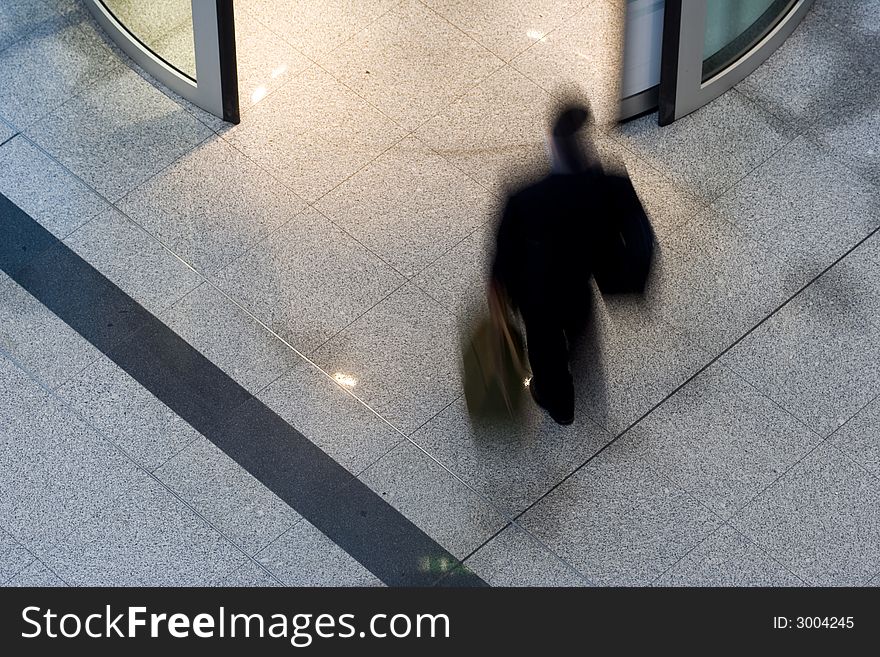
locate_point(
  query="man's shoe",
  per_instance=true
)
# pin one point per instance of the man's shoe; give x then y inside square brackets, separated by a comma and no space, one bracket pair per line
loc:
[562,413]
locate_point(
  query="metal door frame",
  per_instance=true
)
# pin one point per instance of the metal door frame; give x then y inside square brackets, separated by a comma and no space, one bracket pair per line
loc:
[215,88]
[682,89]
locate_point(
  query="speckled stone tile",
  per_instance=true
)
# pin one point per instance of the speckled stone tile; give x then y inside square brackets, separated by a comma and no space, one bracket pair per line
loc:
[457,280]
[860,437]
[511,463]
[804,206]
[230,338]
[33,335]
[630,359]
[727,559]
[55,470]
[433,499]
[7,132]
[721,440]
[47,67]
[46,191]
[817,357]
[408,206]
[149,22]
[13,557]
[849,132]
[321,410]
[872,247]
[513,558]
[86,22]
[24,392]
[72,9]
[35,575]
[404,355]
[227,495]
[211,206]
[855,280]
[716,283]
[266,61]
[856,20]
[126,413]
[506,29]
[820,520]
[250,575]
[133,260]
[308,281]
[318,28]
[118,133]
[619,522]
[584,53]
[495,132]
[808,75]
[147,537]
[708,151]
[313,133]
[668,205]
[18,18]
[305,557]
[410,63]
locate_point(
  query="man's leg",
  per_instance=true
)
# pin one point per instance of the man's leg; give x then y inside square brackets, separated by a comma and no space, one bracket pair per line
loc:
[551,384]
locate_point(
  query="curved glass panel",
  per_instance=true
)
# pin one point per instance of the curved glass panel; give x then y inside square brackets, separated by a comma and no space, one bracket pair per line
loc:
[709,46]
[733,27]
[163,26]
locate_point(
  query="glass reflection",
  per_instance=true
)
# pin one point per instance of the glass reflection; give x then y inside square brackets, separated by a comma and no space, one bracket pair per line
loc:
[164,26]
[733,27]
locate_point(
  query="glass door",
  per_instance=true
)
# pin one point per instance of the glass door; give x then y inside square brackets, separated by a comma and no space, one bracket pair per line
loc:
[188,45]
[711,45]
[642,49]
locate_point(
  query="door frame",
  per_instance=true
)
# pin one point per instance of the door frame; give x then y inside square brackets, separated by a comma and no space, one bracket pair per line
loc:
[682,89]
[215,88]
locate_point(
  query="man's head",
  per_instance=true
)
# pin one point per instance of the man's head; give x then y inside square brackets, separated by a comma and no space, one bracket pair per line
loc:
[567,136]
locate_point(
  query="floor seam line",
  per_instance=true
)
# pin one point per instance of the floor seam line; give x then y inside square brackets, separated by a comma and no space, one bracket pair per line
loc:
[348,541]
[696,374]
[106,438]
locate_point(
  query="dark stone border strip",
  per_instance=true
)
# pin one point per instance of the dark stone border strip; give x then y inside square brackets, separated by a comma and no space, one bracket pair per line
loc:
[282,459]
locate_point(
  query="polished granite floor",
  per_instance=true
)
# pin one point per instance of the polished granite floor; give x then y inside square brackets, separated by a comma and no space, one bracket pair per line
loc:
[326,252]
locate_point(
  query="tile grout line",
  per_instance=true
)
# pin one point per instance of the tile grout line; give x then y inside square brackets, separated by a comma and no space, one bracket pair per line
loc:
[735,372]
[693,376]
[789,138]
[110,442]
[430,263]
[79,92]
[406,436]
[516,524]
[234,302]
[9,139]
[461,562]
[826,440]
[705,541]
[18,572]
[124,60]
[758,167]
[206,281]
[130,65]
[313,62]
[394,428]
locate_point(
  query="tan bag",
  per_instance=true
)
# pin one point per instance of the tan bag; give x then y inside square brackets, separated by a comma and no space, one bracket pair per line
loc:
[494,369]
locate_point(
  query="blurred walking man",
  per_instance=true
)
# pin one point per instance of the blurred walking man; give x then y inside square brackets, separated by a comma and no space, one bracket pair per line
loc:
[542,262]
